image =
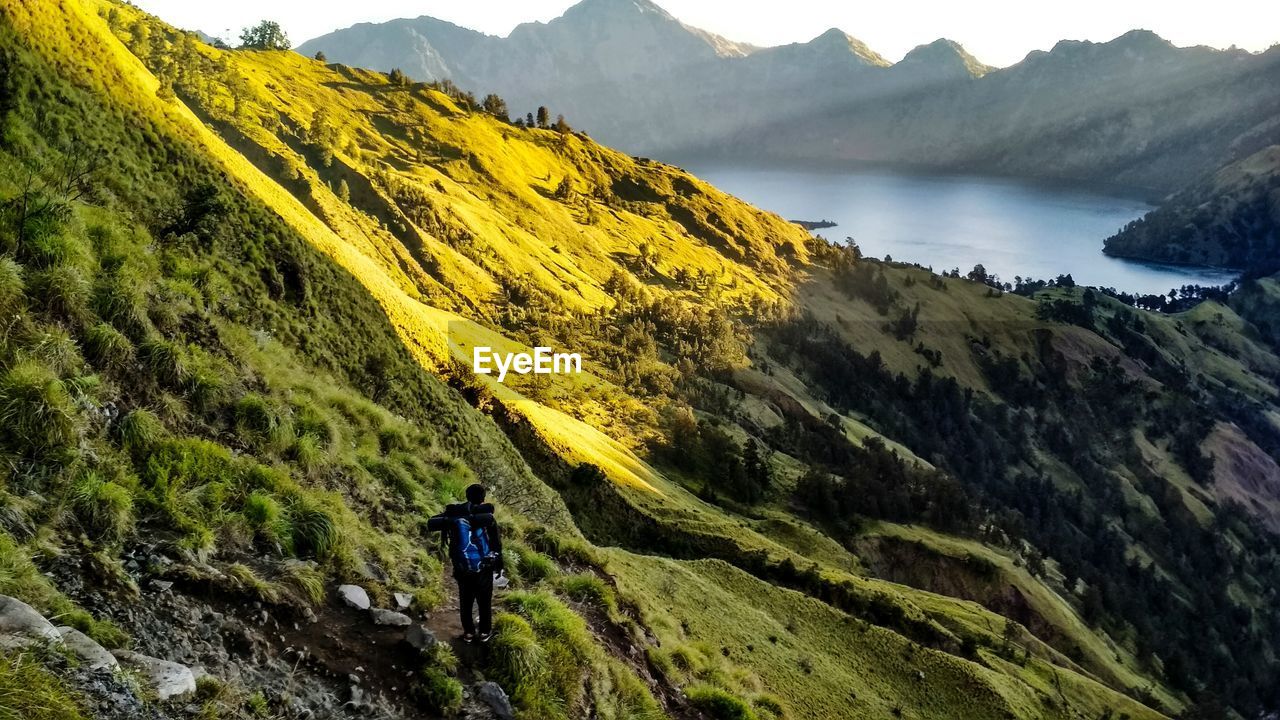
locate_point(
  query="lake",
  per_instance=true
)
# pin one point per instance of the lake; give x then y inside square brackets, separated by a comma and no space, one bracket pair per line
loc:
[1012,228]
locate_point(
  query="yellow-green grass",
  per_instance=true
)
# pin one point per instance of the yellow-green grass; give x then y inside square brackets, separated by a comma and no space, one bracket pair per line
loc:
[827,664]
[1101,655]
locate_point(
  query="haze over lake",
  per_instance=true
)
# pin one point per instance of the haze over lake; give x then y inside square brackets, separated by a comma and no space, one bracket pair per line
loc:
[1012,228]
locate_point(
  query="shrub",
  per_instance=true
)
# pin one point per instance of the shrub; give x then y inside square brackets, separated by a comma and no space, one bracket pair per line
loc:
[717,703]
[104,509]
[108,348]
[36,410]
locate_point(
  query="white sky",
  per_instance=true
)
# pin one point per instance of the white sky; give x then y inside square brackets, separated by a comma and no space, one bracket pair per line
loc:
[998,32]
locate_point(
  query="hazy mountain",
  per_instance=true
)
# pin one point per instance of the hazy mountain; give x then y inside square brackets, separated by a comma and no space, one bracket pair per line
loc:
[1136,110]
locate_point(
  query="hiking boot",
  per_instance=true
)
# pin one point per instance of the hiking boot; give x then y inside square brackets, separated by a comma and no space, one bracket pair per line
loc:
[486,637]
[468,638]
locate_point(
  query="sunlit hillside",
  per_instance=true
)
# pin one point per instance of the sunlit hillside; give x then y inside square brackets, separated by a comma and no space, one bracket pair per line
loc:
[792,482]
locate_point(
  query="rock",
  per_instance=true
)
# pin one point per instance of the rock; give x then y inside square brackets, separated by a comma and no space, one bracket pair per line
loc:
[161,585]
[20,619]
[390,617]
[355,596]
[403,600]
[168,679]
[496,698]
[420,638]
[84,647]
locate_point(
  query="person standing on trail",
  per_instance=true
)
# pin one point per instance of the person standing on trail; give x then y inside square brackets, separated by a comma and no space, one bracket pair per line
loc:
[475,548]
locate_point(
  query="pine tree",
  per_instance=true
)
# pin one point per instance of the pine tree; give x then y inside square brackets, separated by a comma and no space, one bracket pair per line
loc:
[544,117]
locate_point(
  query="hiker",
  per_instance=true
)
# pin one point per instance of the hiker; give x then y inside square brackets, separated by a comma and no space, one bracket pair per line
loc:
[475,547]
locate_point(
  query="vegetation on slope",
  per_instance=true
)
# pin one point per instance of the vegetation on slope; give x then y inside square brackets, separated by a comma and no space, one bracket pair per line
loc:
[1231,219]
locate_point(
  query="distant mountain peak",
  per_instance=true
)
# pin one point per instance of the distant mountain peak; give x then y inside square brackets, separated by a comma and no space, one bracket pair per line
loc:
[617,8]
[837,40]
[945,54]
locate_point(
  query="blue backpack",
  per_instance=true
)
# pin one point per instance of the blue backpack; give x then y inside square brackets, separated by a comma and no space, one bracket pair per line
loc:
[473,544]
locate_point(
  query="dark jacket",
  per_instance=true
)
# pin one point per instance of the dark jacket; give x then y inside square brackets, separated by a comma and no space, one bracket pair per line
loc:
[481,516]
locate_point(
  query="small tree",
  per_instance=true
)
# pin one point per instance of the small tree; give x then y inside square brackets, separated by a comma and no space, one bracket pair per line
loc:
[544,117]
[561,126]
[397,77]
[344,191]
[320,56]
[495,106]
[266,35]
[528,120]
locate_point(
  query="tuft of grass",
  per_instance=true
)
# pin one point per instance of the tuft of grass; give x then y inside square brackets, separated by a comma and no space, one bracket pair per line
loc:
[718,703]
[439,692]
[305,579]
[140,431]
[515,657]
[166,361]
[120,298]
[108,348]
[532,566]
[61,291]
[36,410]
[312,530]
[12,286]
[245,578]
[263,512]
[588,588]
[104,509]
[30,692]
[57,350]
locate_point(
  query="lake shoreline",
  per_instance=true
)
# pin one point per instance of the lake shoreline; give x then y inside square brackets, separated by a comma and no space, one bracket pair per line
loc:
[1014,228]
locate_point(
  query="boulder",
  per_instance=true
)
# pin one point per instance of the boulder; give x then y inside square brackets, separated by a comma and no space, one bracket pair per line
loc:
[355,596]
[20,619]
[94,655]
[390,617]
[492,694]
[420,638]
[168,679]
[403,600]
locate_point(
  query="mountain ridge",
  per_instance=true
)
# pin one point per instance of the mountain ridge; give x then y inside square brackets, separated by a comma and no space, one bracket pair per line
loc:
[833,99]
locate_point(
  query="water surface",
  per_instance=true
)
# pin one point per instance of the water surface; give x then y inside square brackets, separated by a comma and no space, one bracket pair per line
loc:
[1012,228]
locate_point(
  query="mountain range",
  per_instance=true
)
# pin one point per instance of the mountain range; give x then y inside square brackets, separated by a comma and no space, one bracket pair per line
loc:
[1134,111]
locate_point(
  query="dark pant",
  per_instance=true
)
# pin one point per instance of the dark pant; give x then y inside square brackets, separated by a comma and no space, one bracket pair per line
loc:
[475,588]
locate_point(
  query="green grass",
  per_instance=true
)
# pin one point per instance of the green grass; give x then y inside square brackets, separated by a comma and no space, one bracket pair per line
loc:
[29,692]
